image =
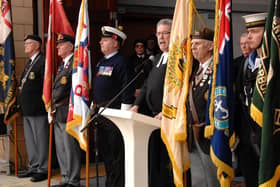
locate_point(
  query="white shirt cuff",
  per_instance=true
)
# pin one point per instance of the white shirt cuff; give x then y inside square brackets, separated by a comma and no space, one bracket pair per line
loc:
[125,106]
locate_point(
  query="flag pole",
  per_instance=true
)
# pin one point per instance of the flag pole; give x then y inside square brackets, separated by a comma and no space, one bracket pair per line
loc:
[51,124]
[50,154]
[52,74]
[87,160]
[15,127]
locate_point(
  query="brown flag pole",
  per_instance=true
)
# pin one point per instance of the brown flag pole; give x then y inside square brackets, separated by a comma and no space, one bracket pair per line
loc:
[15,128]
[87,160]
[50,155]
[51,124]
[53,67]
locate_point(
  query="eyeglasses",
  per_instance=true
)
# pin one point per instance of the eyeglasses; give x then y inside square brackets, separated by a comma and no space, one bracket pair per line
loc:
[162,33]
[27,43]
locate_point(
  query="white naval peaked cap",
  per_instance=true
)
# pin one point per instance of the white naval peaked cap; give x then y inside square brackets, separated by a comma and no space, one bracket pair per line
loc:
[114,33]
[255,20]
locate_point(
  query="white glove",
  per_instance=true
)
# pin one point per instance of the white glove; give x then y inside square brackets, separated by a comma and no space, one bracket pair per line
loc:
[50,118]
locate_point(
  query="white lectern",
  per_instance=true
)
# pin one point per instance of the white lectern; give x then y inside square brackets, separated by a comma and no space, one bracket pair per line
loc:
[136,129]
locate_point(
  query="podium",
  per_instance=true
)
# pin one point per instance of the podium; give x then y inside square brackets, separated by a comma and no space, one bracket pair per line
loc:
[136,129]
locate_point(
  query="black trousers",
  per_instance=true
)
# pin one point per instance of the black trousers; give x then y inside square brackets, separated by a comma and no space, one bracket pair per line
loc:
[111,149]
[3,127]
[248,149]
[160,168]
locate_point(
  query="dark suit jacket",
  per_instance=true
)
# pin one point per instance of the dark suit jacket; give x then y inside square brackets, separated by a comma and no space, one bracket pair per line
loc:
[152,90]
[33,88]
[200,98]
[247,130]
[110,76]
[137,65]
[237,63]
[61,92]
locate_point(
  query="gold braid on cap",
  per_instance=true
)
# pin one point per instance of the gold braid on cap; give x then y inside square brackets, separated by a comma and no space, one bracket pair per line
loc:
[120,27]
[255,24]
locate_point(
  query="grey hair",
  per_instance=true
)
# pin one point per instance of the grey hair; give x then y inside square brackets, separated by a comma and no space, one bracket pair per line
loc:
[244,34]
[165,21]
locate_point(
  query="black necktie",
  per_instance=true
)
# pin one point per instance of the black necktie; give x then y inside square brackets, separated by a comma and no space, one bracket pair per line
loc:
[60,68]
[161,60]
[28,64]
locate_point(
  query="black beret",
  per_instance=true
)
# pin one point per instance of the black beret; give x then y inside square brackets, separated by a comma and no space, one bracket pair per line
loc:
[205,33]
[33,37]
[65,38]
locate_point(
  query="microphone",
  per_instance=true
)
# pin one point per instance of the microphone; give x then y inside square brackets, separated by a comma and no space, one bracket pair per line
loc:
[146,65]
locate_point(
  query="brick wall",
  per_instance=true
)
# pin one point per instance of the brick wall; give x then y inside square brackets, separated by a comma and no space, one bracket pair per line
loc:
[22,17]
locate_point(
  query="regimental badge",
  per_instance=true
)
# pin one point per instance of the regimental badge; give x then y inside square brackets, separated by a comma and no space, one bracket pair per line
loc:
[31,75]
[63,80]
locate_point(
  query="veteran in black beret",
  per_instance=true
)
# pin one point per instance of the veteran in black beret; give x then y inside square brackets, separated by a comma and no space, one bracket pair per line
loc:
[67,147]
[203,171]
[110,76]
[249,132]
[35,120]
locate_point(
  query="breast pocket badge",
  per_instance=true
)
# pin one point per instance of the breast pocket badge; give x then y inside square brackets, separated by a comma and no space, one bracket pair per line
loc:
[31,75]
[63,80]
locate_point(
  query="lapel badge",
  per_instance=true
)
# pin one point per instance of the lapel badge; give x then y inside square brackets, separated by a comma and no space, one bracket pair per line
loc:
[205,76]
[63,80]
[31,75]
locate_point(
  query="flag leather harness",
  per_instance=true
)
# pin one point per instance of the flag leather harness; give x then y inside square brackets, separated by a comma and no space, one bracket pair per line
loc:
[196,125]
[23,80]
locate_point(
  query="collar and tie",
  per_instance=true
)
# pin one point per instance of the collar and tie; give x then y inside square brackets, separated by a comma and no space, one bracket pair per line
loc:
[60,68]
[162,59]
[28,64]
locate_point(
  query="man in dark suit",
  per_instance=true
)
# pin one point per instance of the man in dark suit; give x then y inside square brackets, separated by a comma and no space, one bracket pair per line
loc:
[160,171]
[35,119]
[203,171]
[245,49]
[247,130]
[136,61]
[111,75]
[67,147]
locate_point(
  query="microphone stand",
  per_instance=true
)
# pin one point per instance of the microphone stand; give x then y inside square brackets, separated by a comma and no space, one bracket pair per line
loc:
[96,152]
[90,122]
